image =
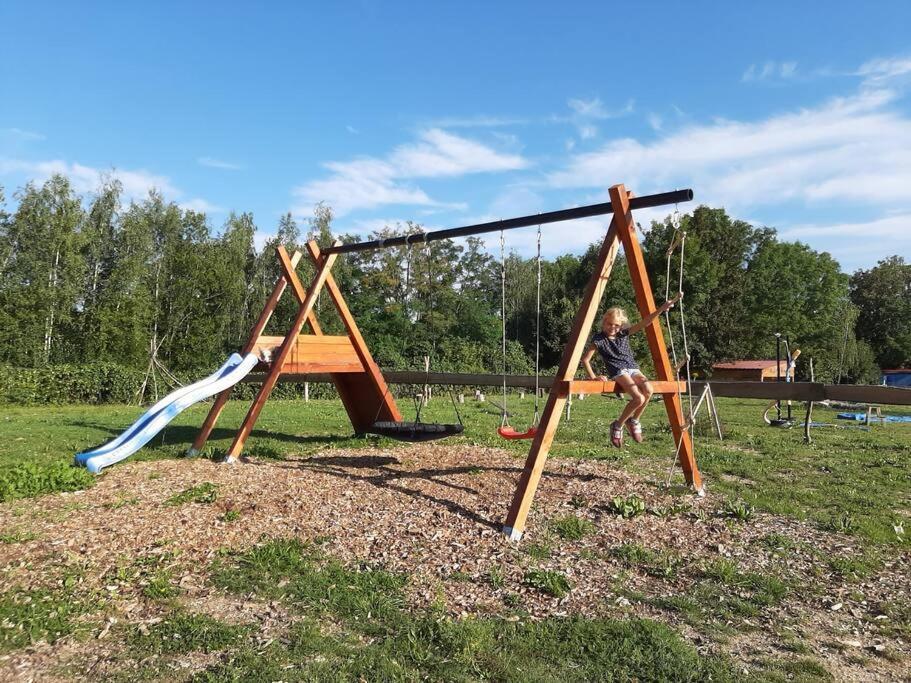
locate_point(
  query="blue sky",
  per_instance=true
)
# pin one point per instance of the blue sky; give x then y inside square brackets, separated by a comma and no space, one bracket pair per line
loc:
[791,115]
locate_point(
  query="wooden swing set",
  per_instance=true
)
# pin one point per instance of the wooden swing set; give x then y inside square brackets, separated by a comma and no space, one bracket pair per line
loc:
[364,391]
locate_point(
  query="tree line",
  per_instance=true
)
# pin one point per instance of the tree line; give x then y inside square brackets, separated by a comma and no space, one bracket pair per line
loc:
[147,283]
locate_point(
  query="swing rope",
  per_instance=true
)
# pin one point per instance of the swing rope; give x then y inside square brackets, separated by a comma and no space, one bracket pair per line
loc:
[538,333]
[504,418]
[679,239]
[506,430]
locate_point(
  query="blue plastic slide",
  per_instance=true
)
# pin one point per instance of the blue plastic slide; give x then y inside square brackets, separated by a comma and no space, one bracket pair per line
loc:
[159,415]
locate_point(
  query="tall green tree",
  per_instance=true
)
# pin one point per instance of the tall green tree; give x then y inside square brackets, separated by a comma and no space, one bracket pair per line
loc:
[883,297]
[717,254]
[42,274]
[798,292]
[99,244]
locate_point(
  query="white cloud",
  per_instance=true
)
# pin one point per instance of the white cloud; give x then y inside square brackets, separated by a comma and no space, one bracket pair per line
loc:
[857,245]
[209,162]
[200,206]
[895,227]
[352,130]
[595,109]
[443,154]
[370,182]
[85,179]
[588,131]
[480,121]
[770,71]
[655,121]
[877,72]
[852,148]
[21,135]
[136,184]
[586,112]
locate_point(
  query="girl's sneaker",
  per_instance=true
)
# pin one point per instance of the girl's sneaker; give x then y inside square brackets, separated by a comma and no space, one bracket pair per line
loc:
[616,434]
[635,429]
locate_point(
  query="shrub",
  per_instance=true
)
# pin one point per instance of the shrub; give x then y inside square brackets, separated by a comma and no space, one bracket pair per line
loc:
[28,479]
[629,507]
[550,582]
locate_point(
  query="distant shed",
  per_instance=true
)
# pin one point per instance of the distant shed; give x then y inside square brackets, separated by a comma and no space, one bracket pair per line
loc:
[897,377]
[748,370]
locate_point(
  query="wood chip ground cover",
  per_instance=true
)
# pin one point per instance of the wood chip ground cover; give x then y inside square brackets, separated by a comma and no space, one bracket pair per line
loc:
[764,590]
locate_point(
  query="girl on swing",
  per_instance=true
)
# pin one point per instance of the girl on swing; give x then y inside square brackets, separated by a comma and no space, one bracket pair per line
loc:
[612,344]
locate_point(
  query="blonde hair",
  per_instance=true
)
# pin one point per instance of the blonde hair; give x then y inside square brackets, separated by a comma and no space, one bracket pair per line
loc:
[615,313]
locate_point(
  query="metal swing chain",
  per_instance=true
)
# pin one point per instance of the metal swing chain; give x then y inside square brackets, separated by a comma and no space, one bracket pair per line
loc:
[433,334]
[538,333]
[504,419]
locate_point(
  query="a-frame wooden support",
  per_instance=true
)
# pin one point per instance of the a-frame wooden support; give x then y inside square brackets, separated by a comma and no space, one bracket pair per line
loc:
[357,378]
[622,231]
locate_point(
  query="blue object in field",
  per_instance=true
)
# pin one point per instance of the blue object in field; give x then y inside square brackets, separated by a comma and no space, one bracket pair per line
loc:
[862,417]
[897,378]
[158,416]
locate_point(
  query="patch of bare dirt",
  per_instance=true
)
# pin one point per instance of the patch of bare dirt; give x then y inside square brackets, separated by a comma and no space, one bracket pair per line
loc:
[435,512]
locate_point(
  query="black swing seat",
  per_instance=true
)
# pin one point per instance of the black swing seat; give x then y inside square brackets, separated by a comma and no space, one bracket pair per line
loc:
[415,431]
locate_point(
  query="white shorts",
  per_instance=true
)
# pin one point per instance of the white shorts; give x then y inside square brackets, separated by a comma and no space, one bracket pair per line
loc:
[629,372]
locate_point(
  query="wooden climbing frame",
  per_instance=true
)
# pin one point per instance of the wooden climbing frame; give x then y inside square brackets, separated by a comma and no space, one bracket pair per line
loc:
[363,389]
[622,231]
[346,358]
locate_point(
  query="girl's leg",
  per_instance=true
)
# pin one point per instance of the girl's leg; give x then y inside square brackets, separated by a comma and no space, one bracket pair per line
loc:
[637,399]
[626,383]
[645,388]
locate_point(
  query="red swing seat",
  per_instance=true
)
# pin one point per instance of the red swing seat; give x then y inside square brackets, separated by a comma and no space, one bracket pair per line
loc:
[508,432]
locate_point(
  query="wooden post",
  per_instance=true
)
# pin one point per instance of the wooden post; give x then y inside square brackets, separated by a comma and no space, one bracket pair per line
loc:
[287,263]
[645,301]
[569,363]
[426,395]
[306,392]
[303,313]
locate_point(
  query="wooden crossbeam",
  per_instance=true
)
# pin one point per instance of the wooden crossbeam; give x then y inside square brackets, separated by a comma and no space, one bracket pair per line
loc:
[314,353]
[792,391]
[595,386]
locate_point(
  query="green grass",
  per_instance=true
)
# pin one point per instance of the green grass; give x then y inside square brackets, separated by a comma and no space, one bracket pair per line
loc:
[548,582]
[201,493]
[856,568]
[537,551]
[654,563]
[353,624]
[572,528]
[28,616]
[14,536]
[181,633]
[849,479]
[27,479]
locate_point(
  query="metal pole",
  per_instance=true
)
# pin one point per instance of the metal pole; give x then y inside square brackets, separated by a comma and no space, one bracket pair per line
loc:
[778,371]
[648,201]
